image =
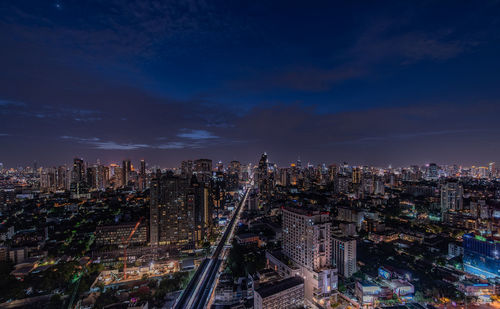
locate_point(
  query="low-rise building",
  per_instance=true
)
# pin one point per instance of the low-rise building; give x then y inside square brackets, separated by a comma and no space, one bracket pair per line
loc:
[286,293]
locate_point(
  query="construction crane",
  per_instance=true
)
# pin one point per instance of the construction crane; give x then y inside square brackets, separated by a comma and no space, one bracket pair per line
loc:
[125,245]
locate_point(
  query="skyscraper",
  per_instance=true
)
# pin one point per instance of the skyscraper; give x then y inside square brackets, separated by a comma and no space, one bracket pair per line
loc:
[78,183]
[307,242]
[172,211]
[344,255]
[451,197]
[142,176]
[203,169]
[126,169]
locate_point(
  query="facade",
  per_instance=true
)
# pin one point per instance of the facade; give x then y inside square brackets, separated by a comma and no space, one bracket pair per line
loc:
[344,255]
[181,211]
[283,294]
[203,169]
[367,292]
[481,256]
[115,234]
[451,197]
[307,242]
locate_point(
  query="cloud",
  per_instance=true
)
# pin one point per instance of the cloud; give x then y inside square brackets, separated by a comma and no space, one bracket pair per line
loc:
[7,103]
[196,134]
[4,134]
[97,143]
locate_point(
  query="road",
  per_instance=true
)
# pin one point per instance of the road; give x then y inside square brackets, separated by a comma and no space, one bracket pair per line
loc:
[199,289]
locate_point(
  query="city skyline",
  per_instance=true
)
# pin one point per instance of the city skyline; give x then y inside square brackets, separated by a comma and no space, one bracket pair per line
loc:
[399,84]
[177,165]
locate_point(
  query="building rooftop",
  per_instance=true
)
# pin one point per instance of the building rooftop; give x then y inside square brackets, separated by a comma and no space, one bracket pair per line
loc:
[279,286]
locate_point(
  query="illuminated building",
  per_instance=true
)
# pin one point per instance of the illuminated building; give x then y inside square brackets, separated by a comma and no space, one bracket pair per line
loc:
[432,172]
[344,255]
[451,197]
[481,256]
[116,234]
[307,242]
[198,201]
[142,176]
[187,168]
[203,169]
[78,184]
[126,169]
[283,294]
[356,175]
[367,292]
[171,222]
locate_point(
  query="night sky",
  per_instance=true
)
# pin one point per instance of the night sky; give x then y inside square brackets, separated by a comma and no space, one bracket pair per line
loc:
[367,82]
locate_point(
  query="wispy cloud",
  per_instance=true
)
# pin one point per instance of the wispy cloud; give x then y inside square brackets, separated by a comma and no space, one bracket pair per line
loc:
[6,103]
[4,134]
[98,143]
[196,134]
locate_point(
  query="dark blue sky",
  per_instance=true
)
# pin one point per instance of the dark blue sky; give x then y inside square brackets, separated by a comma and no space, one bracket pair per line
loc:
[367,82]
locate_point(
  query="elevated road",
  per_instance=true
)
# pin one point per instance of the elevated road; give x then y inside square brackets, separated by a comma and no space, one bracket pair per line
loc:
[199,289]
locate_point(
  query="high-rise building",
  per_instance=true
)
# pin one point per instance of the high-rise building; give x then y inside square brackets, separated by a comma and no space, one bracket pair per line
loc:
[78,183]
[341,184]
[172,211]
[233,175]
[198,200]
[492,170]
[332,172]
[203,169]
[142,176]
[264,178]
[187,169]
[356,175]
[451,197]
[307,242]
[432,172]
[344,255]
[126,169]
[481,255]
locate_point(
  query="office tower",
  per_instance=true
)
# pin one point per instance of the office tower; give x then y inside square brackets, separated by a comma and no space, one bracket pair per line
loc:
[492,170]
[187,169]
[78,184]
[234,175]
[126,169]
[344,255]
[332,172]
[198,200]
[171,218]
[451,197]
[142,176]
[220,166]
[263,178]
[481,255]
[379,187]
[356,175]
[432,172]
[307,242]
[234,168]
[203,169]
[341,184]
[61,178]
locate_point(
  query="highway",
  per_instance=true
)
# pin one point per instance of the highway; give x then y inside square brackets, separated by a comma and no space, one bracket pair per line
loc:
[199,289]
